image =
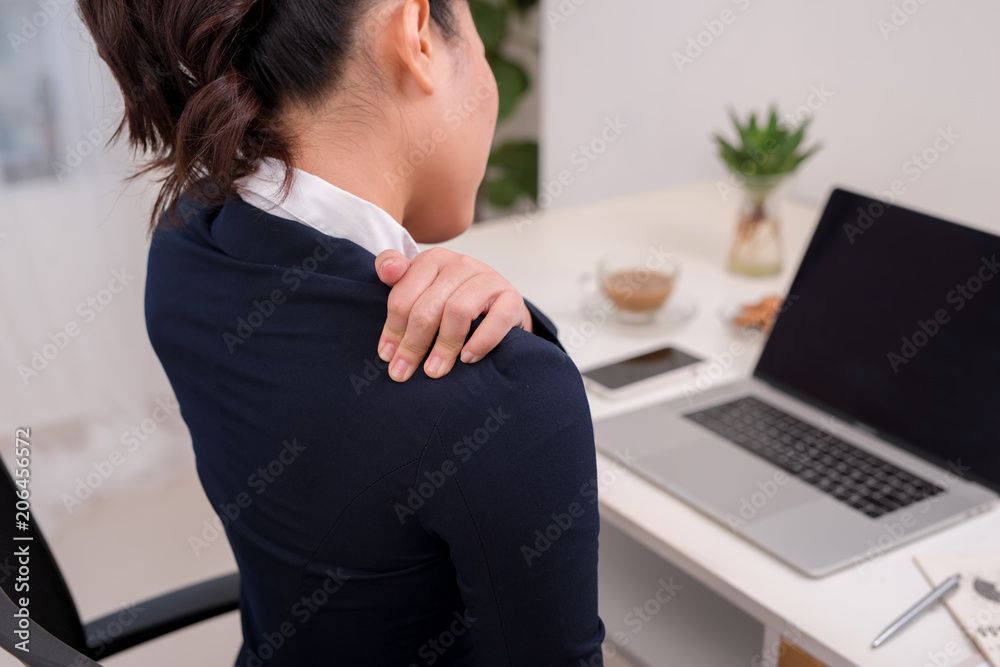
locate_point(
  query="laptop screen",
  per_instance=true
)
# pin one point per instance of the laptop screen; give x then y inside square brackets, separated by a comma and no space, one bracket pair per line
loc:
[893,322]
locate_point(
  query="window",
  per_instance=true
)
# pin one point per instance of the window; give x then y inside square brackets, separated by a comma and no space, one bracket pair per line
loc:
[47,66]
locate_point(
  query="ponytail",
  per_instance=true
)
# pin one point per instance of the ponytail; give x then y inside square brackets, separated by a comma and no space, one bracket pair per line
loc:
[203,81]
[188,109]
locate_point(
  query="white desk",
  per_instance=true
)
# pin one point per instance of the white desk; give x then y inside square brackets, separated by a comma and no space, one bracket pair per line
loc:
[834,618]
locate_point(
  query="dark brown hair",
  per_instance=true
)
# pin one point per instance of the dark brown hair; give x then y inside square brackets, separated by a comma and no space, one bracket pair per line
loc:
[204,81]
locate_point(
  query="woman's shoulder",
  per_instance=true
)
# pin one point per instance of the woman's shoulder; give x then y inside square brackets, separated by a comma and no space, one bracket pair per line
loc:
[531,378]
[530,358]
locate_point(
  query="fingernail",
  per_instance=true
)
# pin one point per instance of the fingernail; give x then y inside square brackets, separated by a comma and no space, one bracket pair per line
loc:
[385,265]
[398,371]
[467,357]
[387,351]
[433,365]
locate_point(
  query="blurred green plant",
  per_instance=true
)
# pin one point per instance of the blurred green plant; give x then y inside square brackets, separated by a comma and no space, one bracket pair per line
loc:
[770,150]
[763,157]
[512,171]
[764,154]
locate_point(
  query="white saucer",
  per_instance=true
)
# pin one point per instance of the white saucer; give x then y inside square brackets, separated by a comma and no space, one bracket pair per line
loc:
[680,307]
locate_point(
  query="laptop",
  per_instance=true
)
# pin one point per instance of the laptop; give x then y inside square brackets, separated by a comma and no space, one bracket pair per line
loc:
[873,414]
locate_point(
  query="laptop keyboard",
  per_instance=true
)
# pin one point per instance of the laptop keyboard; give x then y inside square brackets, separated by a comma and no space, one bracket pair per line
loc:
[851,475]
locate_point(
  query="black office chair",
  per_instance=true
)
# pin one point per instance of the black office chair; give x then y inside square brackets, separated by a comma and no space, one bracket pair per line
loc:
[57,636]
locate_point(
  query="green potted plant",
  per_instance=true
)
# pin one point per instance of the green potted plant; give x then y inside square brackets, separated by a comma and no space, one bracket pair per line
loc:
[512,173]
[761,160]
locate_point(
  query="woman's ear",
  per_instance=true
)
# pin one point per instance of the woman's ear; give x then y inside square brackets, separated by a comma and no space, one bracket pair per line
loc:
[413,42]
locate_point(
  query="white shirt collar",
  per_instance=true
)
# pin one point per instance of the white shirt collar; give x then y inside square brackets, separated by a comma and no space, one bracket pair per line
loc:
[325,207]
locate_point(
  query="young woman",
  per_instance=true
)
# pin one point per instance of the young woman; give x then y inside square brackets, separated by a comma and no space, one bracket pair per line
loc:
[446,518]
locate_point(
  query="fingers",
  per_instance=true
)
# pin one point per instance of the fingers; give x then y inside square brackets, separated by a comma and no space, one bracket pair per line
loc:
[467,303]
[419,277]
[391,265]
[439,294]
[425,320]
[506,312]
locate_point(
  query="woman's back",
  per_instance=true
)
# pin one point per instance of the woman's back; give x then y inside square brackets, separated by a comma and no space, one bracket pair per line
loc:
[448,522]
[374,522]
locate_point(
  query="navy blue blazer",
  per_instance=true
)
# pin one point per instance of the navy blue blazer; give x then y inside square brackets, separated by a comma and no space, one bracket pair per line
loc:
[434,522]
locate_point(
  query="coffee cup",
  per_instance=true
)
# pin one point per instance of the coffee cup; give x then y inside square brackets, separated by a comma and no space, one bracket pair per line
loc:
[638,284]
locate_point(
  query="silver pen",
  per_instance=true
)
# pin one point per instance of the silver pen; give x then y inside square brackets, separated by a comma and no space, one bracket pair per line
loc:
[924,604]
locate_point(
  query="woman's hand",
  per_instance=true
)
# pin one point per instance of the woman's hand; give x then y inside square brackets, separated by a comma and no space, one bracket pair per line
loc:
[441,293]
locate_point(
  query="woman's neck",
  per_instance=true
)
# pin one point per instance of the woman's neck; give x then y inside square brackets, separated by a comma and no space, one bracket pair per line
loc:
[365,170]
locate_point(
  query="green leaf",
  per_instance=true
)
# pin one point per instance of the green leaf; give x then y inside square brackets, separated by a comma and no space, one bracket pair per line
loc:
[516,154]
[728,153]
[522,5]
[491,23]
[512,173]
[764,149]
[512,82]
[518,160]
[802,158]
[744,132]
[502,192]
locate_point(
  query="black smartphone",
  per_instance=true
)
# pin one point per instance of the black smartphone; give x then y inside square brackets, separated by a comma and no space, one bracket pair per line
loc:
[614,378]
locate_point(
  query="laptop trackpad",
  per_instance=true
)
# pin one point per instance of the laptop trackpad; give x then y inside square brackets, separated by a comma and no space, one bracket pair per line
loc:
[725,479]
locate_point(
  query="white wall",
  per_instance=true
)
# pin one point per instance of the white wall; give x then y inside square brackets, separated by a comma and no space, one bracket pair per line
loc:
[889,94]
[76,365]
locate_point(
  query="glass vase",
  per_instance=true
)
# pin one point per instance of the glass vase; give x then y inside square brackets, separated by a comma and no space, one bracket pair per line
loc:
[756,250]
